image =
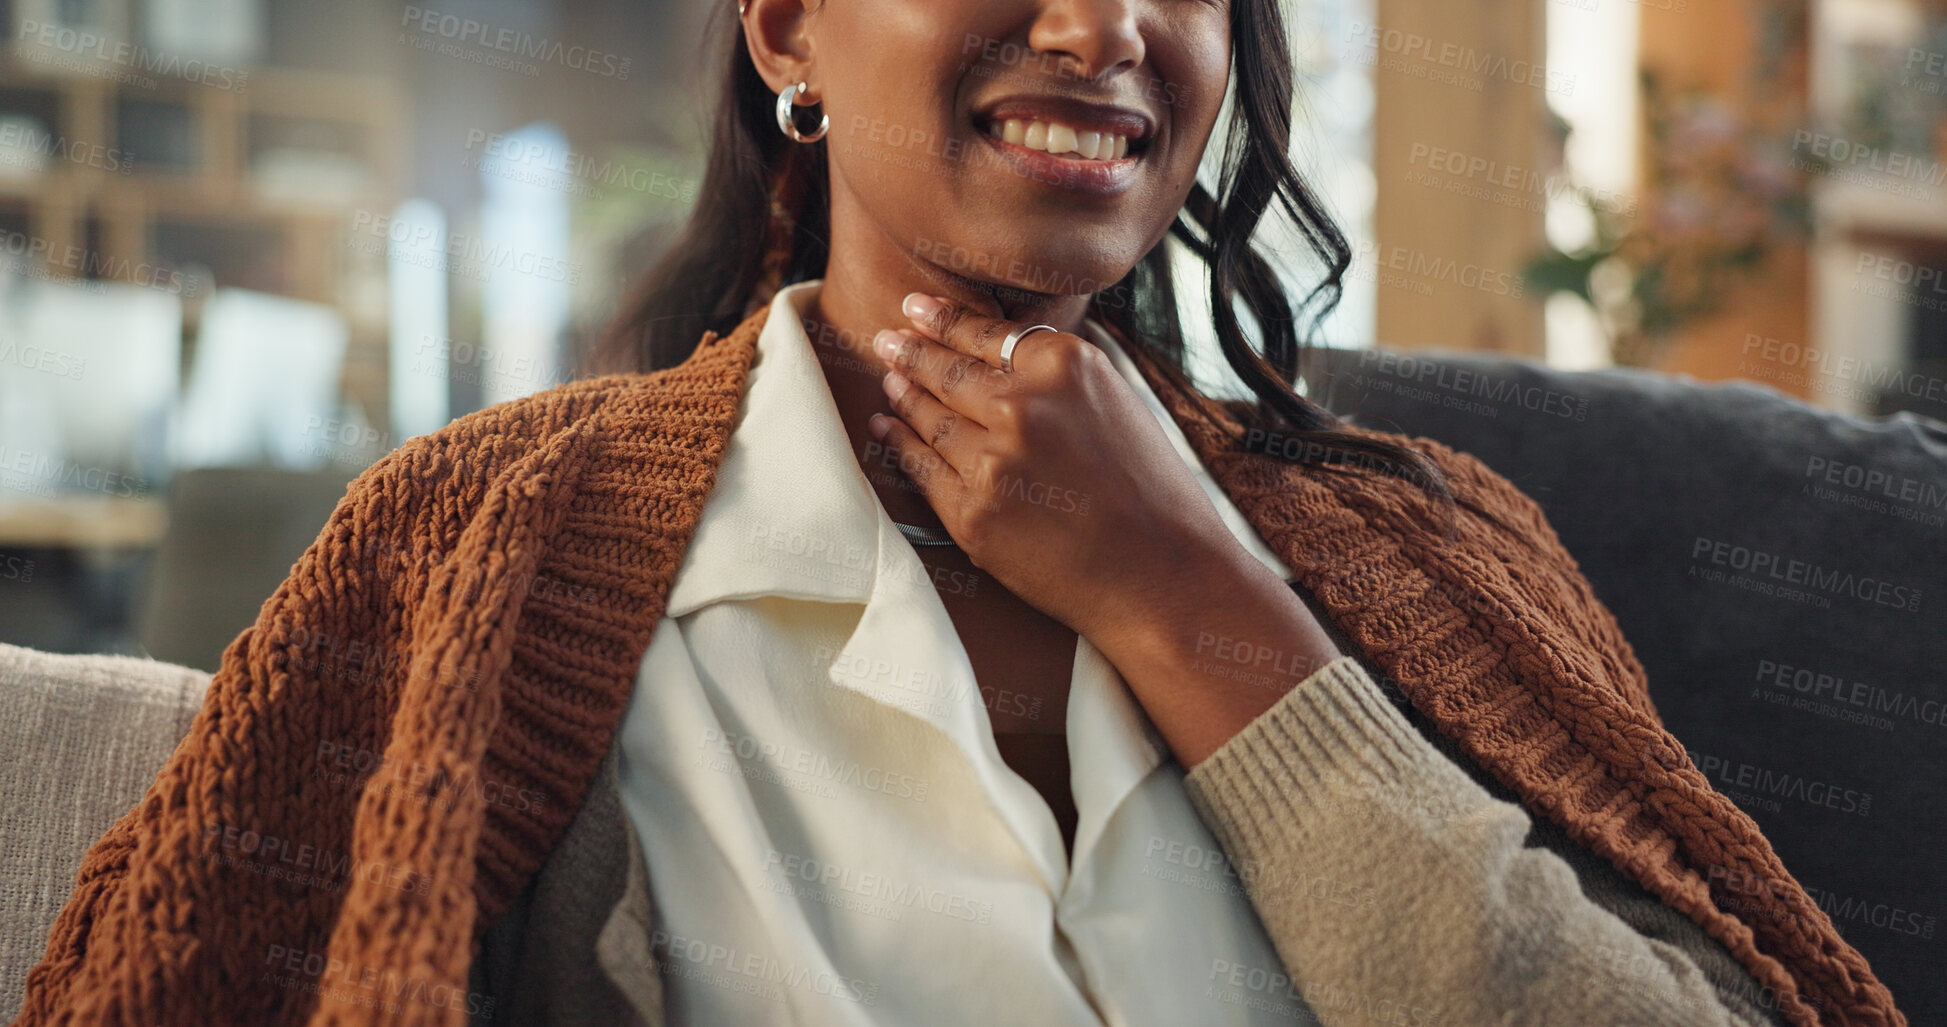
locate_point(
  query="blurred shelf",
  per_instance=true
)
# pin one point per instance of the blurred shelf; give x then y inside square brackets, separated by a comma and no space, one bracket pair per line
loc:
[83,522]
[164,152]
[257,177]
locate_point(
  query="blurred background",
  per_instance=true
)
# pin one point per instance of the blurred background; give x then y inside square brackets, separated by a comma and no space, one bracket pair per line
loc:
[249,246]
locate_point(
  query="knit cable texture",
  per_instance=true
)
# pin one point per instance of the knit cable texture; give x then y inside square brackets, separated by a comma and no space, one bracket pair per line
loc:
[386,757]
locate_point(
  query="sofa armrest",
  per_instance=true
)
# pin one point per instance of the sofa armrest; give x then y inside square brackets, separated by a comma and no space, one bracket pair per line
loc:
[84,736]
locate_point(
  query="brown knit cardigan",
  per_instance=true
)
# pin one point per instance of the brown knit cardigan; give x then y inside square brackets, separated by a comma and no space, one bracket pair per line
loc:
[392,750]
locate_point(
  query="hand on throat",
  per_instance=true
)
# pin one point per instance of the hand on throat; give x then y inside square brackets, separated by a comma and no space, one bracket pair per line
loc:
[861,298]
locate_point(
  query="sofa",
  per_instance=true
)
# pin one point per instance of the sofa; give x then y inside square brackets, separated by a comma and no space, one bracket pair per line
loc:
[1781,571]
[84,736]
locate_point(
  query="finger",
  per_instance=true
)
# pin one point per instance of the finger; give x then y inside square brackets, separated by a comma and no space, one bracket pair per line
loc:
[961,328]
[949,433]
[935,478]
[960,382]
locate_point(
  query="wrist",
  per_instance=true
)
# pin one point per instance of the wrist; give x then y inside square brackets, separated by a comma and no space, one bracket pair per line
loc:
[1219,608]
[1171,588]
[1220,643]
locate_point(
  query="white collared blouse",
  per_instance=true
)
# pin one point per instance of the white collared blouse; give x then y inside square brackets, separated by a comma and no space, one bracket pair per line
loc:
[832,835]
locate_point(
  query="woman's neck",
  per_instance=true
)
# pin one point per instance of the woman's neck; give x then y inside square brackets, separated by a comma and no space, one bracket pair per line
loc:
[860,298]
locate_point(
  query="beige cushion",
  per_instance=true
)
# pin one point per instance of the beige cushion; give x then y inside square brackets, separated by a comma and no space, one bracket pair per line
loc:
[83,737]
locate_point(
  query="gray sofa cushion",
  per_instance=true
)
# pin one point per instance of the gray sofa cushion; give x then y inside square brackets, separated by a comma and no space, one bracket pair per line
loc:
[83,736]
[1782,573]
[233,534]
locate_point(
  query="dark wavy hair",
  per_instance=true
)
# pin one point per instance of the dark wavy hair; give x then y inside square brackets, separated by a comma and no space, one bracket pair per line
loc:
[709,276]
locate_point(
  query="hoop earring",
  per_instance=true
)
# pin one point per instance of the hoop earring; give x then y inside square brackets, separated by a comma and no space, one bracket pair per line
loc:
[789,125]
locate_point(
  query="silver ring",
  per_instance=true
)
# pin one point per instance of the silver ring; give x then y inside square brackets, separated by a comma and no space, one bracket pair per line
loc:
[1014,339]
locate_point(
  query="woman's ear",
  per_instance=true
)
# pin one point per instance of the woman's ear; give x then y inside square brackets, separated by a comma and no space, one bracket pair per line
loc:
[778,35]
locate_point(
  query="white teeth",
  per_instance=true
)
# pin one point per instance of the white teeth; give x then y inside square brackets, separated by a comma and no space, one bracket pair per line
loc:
[1056,138]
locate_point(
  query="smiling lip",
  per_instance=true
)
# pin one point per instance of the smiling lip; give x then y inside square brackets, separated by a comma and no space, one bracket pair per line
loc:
[1104,177]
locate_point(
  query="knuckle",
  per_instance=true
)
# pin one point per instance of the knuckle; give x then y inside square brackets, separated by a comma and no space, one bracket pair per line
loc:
[949,319]
[1093,357]
[909,357]
[1072,358]
[974,528]
[956,372]
[991,466]
[914,465]
[1008,407]
[990,335]
[943,429]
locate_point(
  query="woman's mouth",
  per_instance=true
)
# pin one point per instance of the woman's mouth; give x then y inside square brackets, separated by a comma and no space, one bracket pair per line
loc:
[1085,157]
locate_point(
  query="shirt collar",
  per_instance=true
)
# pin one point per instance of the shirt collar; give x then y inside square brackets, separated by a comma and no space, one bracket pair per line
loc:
[791,513]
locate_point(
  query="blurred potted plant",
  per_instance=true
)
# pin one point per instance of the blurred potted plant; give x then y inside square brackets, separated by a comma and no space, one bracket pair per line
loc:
[1723,193]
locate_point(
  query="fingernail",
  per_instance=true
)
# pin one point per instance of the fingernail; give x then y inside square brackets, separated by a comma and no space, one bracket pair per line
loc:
[897,384]
[920,307]
[878,425]
[886,343]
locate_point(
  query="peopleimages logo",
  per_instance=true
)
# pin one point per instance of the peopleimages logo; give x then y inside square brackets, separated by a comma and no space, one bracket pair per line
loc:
[1741,883]
[43,474]
[1427,268]
[1819,687]
[80,43]
[459,253]
[1503,392]
[1512,177]
[880,888]
[513,157]
[1762,786]
[515,43]
[40,358]
[815,766]
[1928,172]
[1463,59]
[1758,563]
